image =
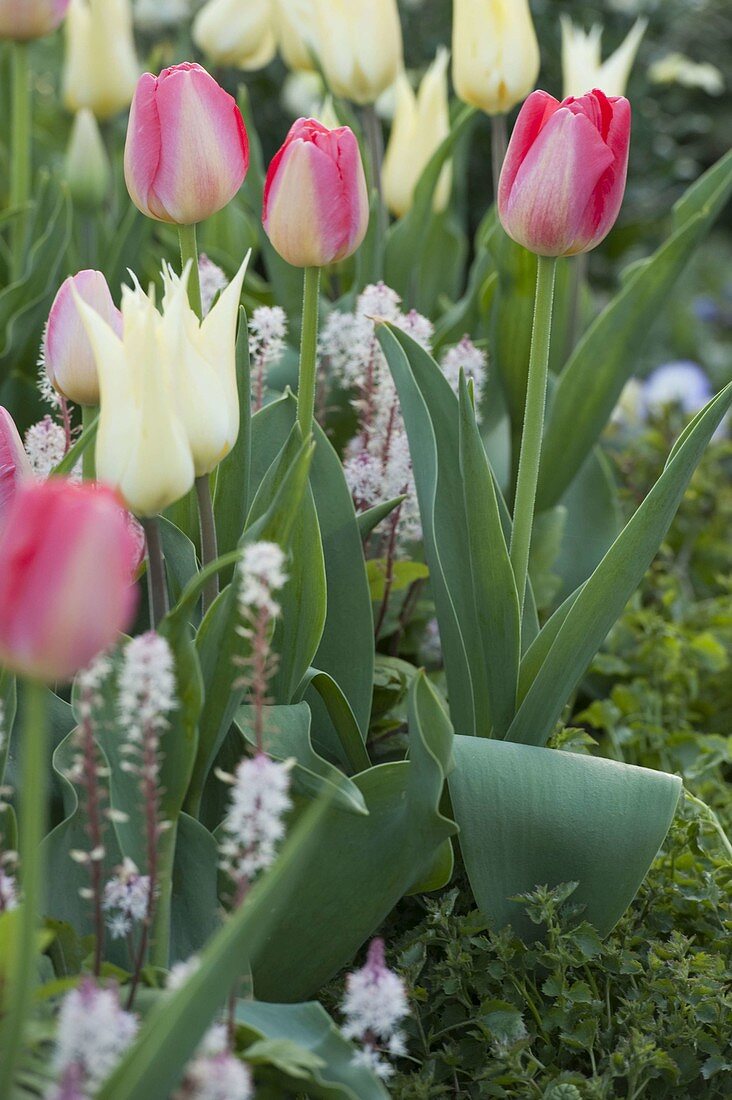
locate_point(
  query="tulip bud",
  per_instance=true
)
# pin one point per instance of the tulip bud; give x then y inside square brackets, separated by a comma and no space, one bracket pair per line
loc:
[21,20]
[232,33]
[359,46]
[66,583]
[293,20]
[67,352]
[582,64]
[563,178]
[421,123]
[495,54]
[87,164]
[187,150]
[101,66]
[15,468]
[316,206]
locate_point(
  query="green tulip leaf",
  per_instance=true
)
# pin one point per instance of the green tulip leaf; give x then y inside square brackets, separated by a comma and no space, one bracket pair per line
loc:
[533,816]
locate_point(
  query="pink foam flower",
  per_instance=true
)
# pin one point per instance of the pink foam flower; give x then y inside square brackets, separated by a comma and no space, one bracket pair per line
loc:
[563,179]
[316,207]
[67,560]
[187,150]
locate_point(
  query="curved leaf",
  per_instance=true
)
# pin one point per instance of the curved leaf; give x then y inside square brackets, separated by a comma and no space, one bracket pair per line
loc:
[532,816]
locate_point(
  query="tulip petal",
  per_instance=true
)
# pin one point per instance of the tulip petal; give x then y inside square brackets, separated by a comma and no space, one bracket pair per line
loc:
[533,116]
[142,148]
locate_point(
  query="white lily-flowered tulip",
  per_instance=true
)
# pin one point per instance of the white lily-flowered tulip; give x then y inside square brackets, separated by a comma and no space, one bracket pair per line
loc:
[359,46]
[582,65]
[100,66]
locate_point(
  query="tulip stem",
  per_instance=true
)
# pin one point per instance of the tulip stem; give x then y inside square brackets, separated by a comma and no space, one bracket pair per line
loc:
[375,142]
[528,471]
[32,826]
[308,351]
[89,415]
[209,542]
[189,251]
[499,145]
[157,589]
[20,150]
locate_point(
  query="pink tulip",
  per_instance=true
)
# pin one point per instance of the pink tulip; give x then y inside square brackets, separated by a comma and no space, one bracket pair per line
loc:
[66,578]
[316,207]
[563,178]
[14,465]
[24,19]
[67,352]
[187,150]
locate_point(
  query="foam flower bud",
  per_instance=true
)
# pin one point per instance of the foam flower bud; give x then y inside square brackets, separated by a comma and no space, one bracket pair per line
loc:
[232,33]
[187,150]
[421,123]
[359,46]
[582,64]
[15,467]
[563,178]
[21,20]
[316,207]
[495,54]
[87,164]
[67,353]
[66,582]
[101,66]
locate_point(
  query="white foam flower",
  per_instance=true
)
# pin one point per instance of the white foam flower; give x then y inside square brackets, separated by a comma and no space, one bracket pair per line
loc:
[254,823]
[126,898]
[262,574]
[267,333]
[380,301]
[216,1077]
[349,344]
[212,280]
[8,891]
[146,685]
[93,1033]
[45,445]
[419,327]
[374,1006]
[472,360]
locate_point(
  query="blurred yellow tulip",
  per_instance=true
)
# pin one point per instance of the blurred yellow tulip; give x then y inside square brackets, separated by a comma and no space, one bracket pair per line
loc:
[359,46]
[231,32]
[495,54]
[294,24]
[421,123]
[100,66]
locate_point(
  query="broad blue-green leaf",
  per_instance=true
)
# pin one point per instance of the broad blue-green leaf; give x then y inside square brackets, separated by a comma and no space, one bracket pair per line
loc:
[372,517]
[352,749]
[366,863]
[533,816]
[494,585]
[287,736]
[154,1064]
[310,1031]
[603,597]
[195,910]
[181,563]
[603,361]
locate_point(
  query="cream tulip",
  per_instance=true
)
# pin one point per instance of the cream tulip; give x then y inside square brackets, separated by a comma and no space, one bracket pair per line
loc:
[495,54]
[359,46]
[101,66]
[232,32]
[421,123]
[169,408]
[294,25]
[582,66]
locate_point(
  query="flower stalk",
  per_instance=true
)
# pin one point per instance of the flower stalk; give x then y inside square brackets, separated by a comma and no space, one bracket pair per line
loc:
[20,154]
[308,351]
[528,471]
